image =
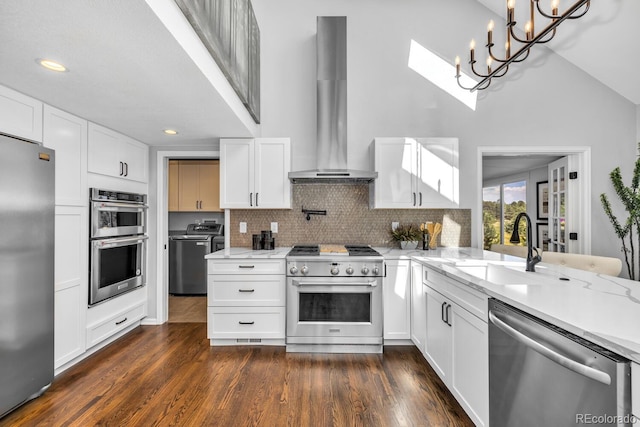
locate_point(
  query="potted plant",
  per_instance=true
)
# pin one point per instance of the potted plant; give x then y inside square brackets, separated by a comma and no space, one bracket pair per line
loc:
[407,235]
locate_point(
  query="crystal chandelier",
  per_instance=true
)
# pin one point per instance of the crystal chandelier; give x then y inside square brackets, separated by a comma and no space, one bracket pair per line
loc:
[577,10]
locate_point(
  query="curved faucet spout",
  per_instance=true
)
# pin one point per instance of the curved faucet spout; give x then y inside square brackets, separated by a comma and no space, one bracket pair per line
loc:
[515,238]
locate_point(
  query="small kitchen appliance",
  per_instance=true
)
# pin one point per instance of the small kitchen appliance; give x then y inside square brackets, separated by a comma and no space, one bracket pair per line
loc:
[334,299]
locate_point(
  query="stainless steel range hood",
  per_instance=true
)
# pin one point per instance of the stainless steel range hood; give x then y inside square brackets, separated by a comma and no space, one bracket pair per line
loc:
[331,149]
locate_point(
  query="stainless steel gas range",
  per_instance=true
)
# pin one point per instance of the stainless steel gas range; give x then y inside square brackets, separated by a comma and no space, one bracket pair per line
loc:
[334,299]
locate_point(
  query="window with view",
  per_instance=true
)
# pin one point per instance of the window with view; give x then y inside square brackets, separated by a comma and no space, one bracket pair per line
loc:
[501,203]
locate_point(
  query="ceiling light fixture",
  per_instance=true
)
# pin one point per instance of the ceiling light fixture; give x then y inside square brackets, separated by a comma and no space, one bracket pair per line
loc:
[52,65]
[170,131]
[531,38]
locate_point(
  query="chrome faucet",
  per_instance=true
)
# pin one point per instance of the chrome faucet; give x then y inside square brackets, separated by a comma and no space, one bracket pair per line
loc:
[515,238]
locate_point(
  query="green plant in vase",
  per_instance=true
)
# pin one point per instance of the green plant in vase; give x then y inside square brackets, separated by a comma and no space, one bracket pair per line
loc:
[408,236]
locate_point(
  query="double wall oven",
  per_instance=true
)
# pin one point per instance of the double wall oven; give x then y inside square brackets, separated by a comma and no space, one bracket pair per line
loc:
[334,299]
[118,223]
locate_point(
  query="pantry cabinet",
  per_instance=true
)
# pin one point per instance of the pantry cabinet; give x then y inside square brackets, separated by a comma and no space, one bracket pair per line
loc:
[254,173]
[396,291]
[20,115]
[457,345]
[194,185]
[116,155]
[415,173]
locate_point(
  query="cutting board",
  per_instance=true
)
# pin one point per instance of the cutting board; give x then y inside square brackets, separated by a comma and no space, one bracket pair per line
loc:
[333,250]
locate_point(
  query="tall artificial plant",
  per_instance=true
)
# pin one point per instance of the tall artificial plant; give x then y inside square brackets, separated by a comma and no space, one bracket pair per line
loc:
[629,229]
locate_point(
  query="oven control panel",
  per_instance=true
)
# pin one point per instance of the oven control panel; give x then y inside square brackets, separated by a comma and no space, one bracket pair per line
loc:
[346,268]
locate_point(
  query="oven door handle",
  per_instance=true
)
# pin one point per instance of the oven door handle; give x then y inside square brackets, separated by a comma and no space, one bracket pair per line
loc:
[132,206]
[120,241]
[369,284]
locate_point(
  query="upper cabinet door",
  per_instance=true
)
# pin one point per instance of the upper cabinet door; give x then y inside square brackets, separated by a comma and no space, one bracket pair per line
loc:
[113,154]
[254,173]
[395,160]
[236,173]
[20,115]
[273,164]
[416,173]
[67,134]
[438,185]
[135,156]
[209,183]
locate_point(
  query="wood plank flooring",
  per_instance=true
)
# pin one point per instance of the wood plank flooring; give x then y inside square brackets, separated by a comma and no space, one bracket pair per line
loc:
[169,376]
[187,309]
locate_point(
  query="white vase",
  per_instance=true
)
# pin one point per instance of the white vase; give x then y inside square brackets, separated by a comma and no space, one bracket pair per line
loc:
[408,244]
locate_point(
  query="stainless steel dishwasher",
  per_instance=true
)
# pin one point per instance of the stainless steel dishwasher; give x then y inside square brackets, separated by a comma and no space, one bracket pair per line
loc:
[187,266]
[542,375]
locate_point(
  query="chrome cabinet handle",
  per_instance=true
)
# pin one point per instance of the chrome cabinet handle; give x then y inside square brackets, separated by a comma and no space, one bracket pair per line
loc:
[126,169]
[448,311]
[552,355]
[442,312]
[121,168]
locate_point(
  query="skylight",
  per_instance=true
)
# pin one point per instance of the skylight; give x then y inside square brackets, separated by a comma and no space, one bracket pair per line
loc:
[441,73]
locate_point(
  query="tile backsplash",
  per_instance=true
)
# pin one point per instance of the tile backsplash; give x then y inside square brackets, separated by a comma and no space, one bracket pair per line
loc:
[348,219]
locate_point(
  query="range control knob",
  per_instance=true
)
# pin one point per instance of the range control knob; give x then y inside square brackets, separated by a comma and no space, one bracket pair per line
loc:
[304,270]
[375,271]
[365,270]
[335,270]
[293,270]
[349,270]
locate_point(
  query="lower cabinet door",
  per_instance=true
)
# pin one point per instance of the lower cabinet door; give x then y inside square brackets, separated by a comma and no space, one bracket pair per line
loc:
[470,366]
[438,342]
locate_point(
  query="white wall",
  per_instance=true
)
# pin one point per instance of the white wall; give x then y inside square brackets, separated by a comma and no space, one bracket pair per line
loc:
[543,101]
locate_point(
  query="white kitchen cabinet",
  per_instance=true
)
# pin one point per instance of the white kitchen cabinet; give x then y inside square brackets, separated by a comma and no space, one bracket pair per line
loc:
[457,344]
[70,299]
[418,307]
[396,293]
[20,115]
[415,173]
[254,173]
[246,301]
[67,135]
[116,155]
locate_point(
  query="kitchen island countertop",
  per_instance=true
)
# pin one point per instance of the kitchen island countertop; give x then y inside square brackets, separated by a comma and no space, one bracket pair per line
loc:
[602,309]
[245,253]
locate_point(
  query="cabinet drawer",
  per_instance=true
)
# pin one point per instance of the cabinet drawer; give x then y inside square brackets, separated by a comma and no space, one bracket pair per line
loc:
[467,298]
[246,266]
[246,290]
[245,322]
[102,330]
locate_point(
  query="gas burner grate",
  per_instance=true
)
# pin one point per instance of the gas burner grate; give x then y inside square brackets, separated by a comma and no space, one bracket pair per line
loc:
[361,250]
[304,250]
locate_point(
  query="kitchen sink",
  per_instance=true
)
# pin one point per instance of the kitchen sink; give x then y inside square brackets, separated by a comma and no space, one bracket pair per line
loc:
[510,273]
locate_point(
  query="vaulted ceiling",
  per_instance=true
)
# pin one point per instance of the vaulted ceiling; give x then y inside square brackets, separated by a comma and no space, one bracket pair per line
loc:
[128,71]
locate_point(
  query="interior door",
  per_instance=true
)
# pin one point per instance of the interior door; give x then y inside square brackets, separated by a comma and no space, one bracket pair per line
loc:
[559,199]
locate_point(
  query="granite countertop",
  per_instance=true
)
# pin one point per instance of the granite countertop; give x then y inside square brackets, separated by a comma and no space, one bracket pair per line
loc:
[603,309]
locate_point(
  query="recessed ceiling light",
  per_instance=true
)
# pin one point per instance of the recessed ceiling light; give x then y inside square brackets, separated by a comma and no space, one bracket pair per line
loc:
[52,65]
[170,132]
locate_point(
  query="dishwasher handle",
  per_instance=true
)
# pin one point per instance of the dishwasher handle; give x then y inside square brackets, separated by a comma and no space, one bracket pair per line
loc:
[558,358]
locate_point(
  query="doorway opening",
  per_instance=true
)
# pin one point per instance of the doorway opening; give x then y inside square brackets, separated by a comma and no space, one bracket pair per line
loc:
[499,166]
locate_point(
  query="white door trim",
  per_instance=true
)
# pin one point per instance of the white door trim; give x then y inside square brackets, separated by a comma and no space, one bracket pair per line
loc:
[583,156]
[162,224]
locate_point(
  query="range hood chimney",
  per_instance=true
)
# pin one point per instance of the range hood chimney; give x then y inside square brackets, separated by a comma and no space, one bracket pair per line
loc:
[331,149]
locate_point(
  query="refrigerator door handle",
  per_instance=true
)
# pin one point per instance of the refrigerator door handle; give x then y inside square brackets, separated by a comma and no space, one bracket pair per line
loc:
[545,351]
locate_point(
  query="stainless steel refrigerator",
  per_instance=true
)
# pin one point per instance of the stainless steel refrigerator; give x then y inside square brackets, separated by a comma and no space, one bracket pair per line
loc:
[26,271]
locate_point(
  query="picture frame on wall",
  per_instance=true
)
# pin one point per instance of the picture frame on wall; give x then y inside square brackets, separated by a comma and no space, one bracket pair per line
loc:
[542,231]
[542,199]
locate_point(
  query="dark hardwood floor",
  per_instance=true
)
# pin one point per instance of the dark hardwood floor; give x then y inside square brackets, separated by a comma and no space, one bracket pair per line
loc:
[169,376]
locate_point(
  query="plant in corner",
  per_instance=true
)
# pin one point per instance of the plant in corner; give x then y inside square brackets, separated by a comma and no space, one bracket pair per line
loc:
[405,234]
[630,198]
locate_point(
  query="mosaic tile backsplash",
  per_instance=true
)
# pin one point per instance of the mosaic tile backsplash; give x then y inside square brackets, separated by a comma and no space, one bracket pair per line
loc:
[348,219]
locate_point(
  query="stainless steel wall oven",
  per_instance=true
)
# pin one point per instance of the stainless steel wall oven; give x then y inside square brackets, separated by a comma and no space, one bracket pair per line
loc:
[117,244]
